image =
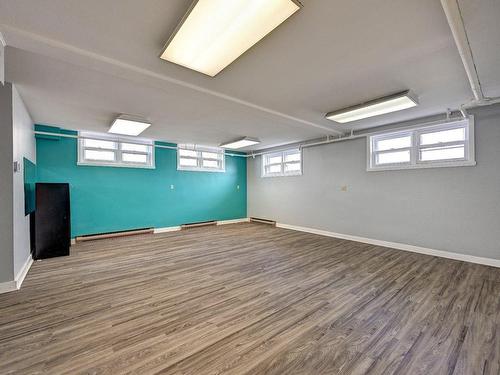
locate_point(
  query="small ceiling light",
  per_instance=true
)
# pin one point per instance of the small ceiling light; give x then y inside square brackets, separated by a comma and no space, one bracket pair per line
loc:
[387,104]
[214,33]
[240,143]
[128,126]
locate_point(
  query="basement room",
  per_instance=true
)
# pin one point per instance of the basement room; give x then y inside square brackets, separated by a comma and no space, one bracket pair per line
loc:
[296,187]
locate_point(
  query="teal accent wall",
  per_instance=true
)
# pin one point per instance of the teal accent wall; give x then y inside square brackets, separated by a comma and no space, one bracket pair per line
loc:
[108,199]
[29,185]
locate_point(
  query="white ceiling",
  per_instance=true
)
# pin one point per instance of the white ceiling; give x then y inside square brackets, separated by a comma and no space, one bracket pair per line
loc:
[77,64]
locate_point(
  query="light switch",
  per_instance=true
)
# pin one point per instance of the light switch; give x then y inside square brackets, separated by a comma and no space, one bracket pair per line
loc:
[172,187]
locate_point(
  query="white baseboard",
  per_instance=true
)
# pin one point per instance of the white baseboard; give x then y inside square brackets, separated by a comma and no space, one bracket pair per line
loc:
[166,229]
[233,221]
[23,272]
[221,222]
[398,246]
[73,241]
[10,286]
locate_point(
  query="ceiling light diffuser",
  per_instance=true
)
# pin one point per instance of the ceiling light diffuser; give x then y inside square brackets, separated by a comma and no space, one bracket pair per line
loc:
[388,104]
[127,126]
[214,33]
[240,143]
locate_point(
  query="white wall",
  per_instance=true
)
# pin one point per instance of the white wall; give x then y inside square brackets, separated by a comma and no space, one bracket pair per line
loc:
[16,142]
[450,209]
[2,59]
[23,147]
[6,186]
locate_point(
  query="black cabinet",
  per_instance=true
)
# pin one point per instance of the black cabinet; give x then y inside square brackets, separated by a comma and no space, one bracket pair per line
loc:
[50,223]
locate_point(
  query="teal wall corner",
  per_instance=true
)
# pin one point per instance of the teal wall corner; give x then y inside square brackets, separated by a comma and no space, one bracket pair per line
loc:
[108,199]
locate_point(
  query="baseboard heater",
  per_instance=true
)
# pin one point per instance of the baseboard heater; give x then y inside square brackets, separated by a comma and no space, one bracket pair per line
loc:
[198,224]
[263,221]
[100,236]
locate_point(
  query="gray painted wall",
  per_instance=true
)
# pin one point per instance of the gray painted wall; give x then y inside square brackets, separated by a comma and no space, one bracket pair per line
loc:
[6,185]
[451,209]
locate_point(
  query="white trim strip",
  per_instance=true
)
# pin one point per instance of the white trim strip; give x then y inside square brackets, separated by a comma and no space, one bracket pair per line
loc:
[233,221]
[23,272]
[220,222]
[399,246]
[166,229]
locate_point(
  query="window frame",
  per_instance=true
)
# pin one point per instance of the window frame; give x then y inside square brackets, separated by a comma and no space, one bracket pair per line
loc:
[199,158]
[416,146]
[118,151]
[283,163]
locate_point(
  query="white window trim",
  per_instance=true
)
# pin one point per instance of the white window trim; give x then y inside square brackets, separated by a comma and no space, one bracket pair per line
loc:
[199,159]
[118,152]
[414,163]
[283,173]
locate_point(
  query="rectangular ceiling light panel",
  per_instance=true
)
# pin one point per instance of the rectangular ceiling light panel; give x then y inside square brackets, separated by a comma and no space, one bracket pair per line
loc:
[240,143]
[128,127]
[214,33]
[376,107]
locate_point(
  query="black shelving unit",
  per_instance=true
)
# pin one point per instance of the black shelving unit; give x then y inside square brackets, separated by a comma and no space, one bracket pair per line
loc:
[50,223]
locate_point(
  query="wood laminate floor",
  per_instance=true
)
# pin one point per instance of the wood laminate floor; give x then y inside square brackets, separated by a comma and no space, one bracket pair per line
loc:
[250,299]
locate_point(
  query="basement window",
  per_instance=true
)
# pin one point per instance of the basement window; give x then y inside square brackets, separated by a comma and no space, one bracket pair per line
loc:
[96,149]
[282,163]
[448,144]
[200,158]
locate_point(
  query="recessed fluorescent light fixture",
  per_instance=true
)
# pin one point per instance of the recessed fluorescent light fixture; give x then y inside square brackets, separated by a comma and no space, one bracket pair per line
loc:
[127,126]
[387,104]
[240,143]
[214,33]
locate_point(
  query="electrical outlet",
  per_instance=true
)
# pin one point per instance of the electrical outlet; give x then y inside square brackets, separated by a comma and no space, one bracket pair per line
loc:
[238,187]
[172,187]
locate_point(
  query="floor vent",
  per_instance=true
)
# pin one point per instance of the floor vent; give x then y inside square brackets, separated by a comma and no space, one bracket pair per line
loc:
[199,224]
[262,221]
[100,236]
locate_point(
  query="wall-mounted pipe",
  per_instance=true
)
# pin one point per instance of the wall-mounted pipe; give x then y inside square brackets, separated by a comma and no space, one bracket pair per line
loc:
[127,141]
[456,22]
[352,136]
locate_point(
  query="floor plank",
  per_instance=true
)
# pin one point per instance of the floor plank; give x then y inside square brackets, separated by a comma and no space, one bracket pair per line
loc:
[250,299]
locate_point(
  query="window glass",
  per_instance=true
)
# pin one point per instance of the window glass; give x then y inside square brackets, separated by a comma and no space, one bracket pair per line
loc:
[135,158]
[99,155]
[282,163]
[191,153]
[135,147]
[188,162]
[393,157]
[442,153]
[97,143]
[200,158]
[393,143]
[451,135]
[448,144]
[105,150]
